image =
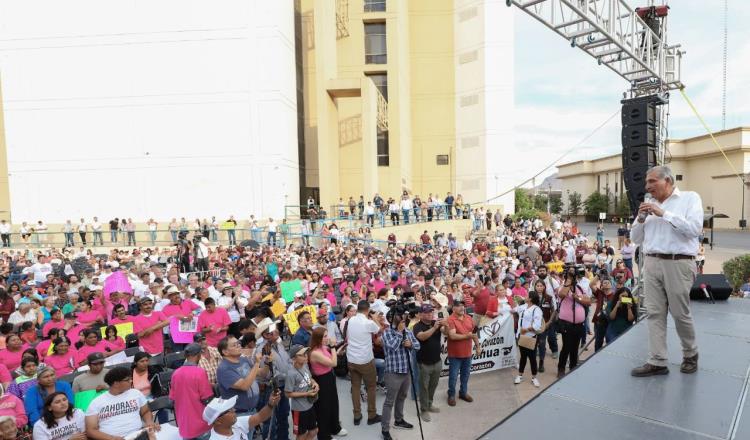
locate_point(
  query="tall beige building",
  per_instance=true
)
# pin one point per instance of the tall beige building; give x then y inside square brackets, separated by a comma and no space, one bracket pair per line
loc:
[401,95]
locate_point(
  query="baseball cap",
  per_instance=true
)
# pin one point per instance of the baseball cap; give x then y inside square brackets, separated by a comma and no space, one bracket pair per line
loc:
[322,312]
[460,301]
[192,349]
[145,299]
[297,349]
[217,407]
[198,337]
[299,294]
[96,358]
[426,308]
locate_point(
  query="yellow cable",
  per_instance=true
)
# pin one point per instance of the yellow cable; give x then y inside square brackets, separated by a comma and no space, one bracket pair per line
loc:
[690,103]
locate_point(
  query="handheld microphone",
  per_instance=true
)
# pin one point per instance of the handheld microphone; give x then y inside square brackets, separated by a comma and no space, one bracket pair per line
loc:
[705,292]
[642,215]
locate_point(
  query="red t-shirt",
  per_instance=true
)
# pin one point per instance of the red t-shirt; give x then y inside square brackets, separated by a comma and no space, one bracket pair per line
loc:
[481,299]
[463,326]
[153,343]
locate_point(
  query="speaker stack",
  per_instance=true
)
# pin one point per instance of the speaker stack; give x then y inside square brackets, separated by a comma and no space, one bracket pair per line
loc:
[639,144]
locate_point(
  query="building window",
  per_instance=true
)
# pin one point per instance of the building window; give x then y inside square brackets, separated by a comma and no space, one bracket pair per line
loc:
[678,177]
[442,159]
[374,5]
[375,46]
[598,183]
[384,159]
[381,82]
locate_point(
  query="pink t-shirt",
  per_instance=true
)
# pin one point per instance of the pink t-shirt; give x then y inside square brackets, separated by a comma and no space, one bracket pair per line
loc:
[87,319]
[43,348]
[11,405]
[219,318]
[63,364]
[184,309]
[5,376]
[105,311]
[86,350]
[50,325]
[117,344]
[74,333]
[153,343]
[115,321]
[189,388]
[12,359]
[566,309]
[320,369]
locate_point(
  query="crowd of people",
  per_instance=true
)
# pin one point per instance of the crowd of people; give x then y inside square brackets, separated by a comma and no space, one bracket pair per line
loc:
[74,322]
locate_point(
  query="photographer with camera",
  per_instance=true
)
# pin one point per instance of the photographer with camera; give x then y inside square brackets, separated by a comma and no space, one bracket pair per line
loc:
[272,377]
[603,294]
[398,340]
[429,332]
[572,313]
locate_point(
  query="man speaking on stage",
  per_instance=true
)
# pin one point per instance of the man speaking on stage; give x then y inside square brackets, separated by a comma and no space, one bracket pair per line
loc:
[667,230]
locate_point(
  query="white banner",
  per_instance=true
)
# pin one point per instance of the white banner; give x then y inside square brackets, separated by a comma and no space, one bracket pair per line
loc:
[498,346]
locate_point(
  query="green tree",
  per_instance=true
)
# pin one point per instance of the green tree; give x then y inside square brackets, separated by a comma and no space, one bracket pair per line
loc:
[623,207]
[596,203]
[574,203]
[540,202]
[523,201]
[555,203]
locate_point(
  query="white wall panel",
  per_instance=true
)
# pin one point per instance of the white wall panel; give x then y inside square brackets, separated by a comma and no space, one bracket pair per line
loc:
[149,109]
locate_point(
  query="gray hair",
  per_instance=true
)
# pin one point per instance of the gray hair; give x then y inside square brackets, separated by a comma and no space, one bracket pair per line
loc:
[662,172]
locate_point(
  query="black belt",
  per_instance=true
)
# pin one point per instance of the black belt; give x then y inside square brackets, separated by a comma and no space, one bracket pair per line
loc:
[672,256]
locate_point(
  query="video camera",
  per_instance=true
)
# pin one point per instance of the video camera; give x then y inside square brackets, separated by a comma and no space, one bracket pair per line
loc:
[575,271]
[401,307]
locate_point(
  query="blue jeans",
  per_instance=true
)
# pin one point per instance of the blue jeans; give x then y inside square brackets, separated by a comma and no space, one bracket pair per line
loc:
[549,336]
[153,237]
[214,236]
[600,335]
[381,215]
[255,234]
[174,235]
[98,236]
[231,237]
[380,369]
[113,236]
[405,215]
[271,238]
[278,423]
[456,366]
[69,239]
[628,263]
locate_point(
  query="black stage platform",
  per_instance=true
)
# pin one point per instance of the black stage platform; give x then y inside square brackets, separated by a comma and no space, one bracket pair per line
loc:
[600,400]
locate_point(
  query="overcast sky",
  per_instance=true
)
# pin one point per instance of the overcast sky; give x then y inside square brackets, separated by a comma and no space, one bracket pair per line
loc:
[562,94]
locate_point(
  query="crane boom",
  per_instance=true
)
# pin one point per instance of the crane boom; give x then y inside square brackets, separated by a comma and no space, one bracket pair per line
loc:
[616,36]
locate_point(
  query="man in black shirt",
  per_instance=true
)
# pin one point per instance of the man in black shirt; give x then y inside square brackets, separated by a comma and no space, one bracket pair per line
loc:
[113,226]
[429,332]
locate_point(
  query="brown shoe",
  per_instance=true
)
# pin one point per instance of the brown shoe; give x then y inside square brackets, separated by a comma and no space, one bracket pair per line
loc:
[451,401]
[466,398]
[689,365]
[648,370]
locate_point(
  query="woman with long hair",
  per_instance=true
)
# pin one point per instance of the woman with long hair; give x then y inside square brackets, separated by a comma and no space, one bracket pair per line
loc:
[11,355]
[112,342]
[87,316]
[529,324]
[323,359]
[47,384]
[60,420]
[146,380]
[7,304]
[622,312]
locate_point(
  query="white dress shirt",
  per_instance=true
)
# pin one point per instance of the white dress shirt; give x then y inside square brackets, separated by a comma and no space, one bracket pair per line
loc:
[359,334]
[677,231]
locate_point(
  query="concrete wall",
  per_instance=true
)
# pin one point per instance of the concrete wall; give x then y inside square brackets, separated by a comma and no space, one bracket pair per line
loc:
[411,233]
[150,109]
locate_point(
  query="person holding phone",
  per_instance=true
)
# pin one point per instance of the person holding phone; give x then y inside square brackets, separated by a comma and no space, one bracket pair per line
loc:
[621,313]
[429,332]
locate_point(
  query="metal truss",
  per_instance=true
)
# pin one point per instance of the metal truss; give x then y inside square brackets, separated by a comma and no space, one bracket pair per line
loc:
[611,32]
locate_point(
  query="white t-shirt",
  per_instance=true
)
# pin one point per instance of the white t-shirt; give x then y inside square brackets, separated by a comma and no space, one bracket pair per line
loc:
[240,431]
[118,415]
[359,334]
[40,271]
[64,430]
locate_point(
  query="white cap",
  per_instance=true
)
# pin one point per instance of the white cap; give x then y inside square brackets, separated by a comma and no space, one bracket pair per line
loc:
[114,264]
[299,294]
[216,407]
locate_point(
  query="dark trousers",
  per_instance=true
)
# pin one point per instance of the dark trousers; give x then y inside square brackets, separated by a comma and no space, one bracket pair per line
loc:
[571,338]
[327,406]
[201,264]
[531,356]
[394,218]
[600,335]
[131,238]
[83,237]
[185,264]
[278,424]
[6,240]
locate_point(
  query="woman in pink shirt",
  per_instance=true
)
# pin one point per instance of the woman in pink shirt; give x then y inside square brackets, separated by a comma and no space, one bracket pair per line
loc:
[11,405]
[88,316]
[573,299]
[63,357]
[111,341]
[518,289]
[56,321]
[213,322]
[11,356]
[92,344]
[323,359]
[42,348]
